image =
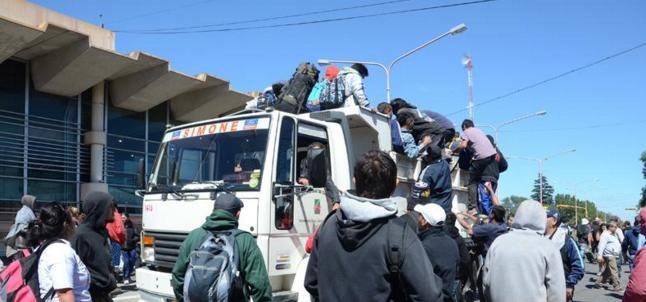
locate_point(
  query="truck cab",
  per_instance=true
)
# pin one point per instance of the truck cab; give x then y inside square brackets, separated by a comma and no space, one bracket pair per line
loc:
[256,155]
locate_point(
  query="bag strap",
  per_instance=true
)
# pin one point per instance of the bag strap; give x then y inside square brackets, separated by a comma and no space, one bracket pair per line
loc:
[395,256]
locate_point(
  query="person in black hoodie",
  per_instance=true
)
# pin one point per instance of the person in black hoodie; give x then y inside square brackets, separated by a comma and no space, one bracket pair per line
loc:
[464,270]
[352,258]
[91,244]
[439,247]
[129,248]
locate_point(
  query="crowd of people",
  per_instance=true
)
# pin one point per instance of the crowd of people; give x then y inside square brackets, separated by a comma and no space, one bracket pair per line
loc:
[71,249]
[365,249]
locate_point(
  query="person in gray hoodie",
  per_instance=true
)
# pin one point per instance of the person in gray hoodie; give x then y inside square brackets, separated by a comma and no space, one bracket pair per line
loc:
[522,265]
[352,259]
[16,237]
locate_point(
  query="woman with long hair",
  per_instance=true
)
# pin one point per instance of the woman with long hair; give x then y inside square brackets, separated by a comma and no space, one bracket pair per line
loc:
[61,274]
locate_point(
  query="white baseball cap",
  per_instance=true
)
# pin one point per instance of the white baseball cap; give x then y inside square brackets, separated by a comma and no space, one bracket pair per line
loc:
[433,213]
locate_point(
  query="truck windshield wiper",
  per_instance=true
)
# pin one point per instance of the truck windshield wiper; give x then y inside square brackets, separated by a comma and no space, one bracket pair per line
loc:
[164,188]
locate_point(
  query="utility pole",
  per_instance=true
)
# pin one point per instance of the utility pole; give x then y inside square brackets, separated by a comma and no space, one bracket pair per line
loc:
[468,64]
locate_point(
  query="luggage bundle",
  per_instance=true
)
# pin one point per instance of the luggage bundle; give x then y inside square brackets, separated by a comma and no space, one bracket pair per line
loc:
[294,95]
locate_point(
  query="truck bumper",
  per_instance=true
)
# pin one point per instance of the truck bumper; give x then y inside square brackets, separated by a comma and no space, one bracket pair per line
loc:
[154,286]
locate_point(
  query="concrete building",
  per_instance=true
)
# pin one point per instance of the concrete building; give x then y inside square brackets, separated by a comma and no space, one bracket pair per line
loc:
[77,116]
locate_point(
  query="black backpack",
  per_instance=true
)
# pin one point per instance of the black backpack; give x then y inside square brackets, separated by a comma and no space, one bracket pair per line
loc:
[294,95]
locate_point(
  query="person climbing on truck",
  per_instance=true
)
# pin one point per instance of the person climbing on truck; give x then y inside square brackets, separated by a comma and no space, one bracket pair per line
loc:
[483,167]
[411,149]
[395,131]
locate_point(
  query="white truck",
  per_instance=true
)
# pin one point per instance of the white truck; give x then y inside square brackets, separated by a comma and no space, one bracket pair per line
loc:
[256,155]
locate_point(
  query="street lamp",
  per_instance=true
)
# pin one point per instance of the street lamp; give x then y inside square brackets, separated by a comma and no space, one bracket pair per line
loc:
[540,161]
[460,28]
[520,118]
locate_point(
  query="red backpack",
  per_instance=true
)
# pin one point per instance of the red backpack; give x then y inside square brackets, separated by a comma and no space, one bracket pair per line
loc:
[19,280]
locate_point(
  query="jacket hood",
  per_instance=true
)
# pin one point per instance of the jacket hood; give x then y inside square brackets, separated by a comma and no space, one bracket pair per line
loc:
[220,220]
[530,216]
[348,70]
[96,208]
[361,209]
[353,234]
[28,200]
[559,237]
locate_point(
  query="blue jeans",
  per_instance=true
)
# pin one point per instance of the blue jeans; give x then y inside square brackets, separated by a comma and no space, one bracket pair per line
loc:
[115,253]
[129,259]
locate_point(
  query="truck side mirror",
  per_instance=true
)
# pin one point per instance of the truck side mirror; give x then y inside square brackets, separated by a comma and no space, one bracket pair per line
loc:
[141,173]
[317,167]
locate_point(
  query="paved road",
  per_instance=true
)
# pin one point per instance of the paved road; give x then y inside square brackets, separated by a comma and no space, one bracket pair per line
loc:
[585,291]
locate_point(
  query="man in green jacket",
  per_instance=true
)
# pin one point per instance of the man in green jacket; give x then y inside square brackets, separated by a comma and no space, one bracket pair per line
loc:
[226,211]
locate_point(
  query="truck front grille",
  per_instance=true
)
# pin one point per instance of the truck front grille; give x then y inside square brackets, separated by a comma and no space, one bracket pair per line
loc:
[167,247]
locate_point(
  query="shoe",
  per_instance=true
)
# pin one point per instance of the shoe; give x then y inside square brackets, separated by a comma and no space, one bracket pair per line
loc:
[599,274]
[617,289]
[126,282]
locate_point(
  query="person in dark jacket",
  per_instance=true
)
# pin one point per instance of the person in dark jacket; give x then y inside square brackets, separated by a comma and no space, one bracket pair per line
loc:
[633,242]
[573,265]
[435,179]
[129,248]
[440,248]
[91,244]
[465,258]
[225,215]
[351,257]
[486,233]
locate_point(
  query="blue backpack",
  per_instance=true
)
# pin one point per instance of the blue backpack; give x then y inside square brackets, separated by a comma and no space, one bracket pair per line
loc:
[313,100]
[333,95]
[213,270]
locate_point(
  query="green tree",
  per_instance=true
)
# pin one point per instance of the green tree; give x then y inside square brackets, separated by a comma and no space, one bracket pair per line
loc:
[548,191]
[511,203]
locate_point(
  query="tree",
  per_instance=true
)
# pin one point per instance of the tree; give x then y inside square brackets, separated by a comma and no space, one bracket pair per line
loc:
[548,191]
[511,203]
[642,202]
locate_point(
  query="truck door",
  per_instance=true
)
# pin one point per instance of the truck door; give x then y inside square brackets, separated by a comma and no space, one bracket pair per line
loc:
[296,209]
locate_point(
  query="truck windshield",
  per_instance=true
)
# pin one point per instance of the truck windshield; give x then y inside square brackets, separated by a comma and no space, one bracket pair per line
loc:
[229,153]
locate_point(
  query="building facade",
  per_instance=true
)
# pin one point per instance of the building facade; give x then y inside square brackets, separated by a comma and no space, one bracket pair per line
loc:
[75,116]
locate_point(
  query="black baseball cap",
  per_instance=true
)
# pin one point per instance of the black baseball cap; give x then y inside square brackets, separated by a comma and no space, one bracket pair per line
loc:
[228,201]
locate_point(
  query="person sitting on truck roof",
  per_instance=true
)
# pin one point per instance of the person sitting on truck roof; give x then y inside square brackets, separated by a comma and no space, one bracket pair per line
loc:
[411,149]
[225,215]
[353,81]
[350,260]
[395,131]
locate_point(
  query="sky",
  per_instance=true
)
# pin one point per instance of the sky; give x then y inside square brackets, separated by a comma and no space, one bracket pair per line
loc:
[599,110]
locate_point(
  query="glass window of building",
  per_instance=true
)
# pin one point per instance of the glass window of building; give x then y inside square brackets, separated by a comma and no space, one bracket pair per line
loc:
[12,129]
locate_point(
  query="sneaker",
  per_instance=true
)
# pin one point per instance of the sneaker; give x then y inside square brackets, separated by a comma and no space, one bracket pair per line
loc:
[617,288]
[126,282]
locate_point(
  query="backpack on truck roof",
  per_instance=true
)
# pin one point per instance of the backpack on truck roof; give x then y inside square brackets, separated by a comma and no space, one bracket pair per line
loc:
[333,94]
[294,95]
[213,272]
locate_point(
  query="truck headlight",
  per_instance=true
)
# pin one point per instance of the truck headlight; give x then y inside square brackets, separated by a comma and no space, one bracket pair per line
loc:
[148,254]
[148,248]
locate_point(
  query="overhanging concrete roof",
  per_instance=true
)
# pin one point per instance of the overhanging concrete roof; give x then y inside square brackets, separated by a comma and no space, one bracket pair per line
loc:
[68,56]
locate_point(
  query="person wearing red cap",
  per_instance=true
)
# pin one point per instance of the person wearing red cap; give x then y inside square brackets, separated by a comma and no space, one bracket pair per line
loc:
[636,289]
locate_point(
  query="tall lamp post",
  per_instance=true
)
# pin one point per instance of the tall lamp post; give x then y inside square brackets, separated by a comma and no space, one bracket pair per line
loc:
[388,69]
[540,161]
[515,120]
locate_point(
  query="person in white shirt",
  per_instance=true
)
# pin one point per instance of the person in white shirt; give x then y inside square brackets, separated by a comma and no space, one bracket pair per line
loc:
[61,274]
[609,250]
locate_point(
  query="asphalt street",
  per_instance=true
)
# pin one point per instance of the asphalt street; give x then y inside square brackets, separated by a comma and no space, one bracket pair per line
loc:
[585,291]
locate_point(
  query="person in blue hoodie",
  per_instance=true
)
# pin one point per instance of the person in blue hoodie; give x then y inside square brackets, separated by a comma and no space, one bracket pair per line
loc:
[633,242]
[573,265]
